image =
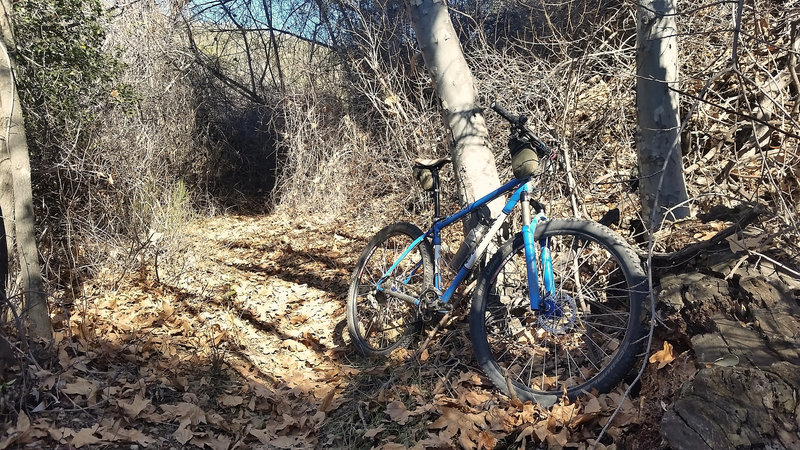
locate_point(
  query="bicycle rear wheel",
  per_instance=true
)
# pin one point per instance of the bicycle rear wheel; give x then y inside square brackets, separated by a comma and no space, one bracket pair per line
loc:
[592,334]
[378,322]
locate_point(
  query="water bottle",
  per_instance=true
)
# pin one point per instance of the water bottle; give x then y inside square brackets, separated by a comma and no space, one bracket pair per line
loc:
[468,246]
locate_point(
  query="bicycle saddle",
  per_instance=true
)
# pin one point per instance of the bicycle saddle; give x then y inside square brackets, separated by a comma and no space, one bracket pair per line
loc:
[432,163]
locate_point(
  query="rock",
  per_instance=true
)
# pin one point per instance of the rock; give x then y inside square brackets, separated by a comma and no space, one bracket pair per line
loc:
[733,407]
[721,262]
[776,313]
[694,289]
[708,293]
[746,343]
[788,372]
[709,346]
[756,316]
[697,296]
[670,292]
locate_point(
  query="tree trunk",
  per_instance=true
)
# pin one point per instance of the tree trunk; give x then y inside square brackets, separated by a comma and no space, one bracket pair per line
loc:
[16,162]
[473,161]
[658,138]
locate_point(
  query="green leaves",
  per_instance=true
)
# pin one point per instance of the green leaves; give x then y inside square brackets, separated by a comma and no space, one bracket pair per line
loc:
[64,72]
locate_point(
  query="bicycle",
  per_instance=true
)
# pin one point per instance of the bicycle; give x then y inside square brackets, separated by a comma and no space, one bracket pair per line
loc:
[563,318]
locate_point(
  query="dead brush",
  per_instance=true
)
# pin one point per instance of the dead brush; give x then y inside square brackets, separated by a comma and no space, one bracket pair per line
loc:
[218,338]
[117,198]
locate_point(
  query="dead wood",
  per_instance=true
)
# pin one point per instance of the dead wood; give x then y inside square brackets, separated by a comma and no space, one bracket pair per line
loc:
[741,216]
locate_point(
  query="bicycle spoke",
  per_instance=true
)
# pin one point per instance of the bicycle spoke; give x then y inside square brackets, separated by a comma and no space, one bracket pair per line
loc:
[379,321]
[585,326]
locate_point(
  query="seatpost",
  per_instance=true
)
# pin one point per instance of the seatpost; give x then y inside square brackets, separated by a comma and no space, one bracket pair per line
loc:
[437,213]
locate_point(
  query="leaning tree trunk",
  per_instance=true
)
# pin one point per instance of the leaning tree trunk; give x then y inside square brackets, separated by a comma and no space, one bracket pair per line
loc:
[662,186]
[473,161]
[16,162]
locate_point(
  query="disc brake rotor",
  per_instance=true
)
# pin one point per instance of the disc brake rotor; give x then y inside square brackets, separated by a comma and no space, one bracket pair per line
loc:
[559,315]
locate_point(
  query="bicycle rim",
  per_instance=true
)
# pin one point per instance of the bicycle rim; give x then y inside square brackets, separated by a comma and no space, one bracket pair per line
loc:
[588,339]
[380,322]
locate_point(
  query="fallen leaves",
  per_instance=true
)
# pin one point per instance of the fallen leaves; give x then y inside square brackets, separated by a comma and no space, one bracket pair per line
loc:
[133,409]
[230,400]
[86,437]
[663,356]
[138,362]
[473,417]
[18,434]
[81,386]
[397,411]
[454,422]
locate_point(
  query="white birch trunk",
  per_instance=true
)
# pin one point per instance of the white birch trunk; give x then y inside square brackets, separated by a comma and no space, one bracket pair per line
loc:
[473,161]
[15,167]
[658,137]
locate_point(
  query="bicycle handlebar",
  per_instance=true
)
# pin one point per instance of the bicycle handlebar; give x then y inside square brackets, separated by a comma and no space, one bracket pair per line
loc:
[519,123]
[514,120]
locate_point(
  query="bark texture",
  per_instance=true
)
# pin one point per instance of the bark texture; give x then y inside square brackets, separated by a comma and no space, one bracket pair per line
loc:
[17,203]
[473,161]
[658,136]
[744,390]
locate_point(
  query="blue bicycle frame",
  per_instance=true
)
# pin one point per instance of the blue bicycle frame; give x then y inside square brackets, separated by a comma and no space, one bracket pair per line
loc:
[521,191]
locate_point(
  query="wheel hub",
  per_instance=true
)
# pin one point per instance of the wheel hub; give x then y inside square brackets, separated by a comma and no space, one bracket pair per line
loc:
[559,314]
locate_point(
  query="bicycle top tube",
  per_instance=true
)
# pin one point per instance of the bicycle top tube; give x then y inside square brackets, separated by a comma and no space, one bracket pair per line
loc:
[515,185]
[509,186]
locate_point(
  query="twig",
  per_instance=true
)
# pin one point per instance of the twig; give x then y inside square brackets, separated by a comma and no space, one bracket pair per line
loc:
[435,330]
[688,253]
[699,98]
[795,47]
[736,267]
[571,185]
[795,273]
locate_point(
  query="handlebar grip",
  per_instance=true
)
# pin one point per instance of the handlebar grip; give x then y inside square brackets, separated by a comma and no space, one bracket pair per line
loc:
[504,113]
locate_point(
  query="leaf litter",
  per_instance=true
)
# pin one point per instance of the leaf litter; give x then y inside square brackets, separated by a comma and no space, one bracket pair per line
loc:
[243,344]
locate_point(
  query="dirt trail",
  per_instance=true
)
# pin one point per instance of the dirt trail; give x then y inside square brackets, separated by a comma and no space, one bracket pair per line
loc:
[269,294]
[236,341]
[240,342]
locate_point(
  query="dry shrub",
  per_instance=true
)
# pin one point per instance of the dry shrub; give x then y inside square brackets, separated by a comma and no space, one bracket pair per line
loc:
[571,67]
[356,141]
[741,142]
[337,137]
[146,154]
[363,147]
[119,192]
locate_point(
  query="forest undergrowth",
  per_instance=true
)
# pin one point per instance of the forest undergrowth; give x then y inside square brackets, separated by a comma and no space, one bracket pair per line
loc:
[198,297]
[241,342]
[247,347]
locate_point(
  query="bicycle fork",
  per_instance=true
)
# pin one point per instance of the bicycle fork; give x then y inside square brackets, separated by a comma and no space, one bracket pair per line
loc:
[528,229]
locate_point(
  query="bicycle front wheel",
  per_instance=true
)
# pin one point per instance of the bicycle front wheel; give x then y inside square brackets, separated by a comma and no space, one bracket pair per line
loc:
[378,321]
[591,334]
